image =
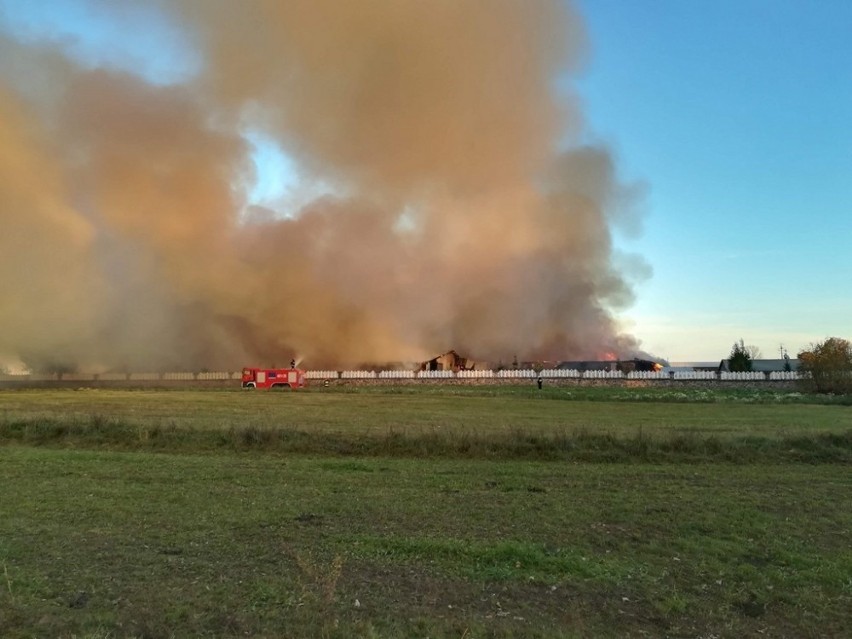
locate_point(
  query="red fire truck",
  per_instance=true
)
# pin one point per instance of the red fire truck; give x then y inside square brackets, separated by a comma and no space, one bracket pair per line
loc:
[273,378]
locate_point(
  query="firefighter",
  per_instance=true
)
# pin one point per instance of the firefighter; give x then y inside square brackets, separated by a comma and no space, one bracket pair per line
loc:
[538,381]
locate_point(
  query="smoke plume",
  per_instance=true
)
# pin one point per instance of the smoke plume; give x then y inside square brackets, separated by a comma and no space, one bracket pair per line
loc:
[457,208]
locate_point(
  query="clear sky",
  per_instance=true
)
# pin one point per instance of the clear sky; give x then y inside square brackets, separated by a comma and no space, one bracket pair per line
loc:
[735,117]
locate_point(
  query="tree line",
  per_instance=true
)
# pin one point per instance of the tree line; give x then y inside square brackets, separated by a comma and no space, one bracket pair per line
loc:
[826,366]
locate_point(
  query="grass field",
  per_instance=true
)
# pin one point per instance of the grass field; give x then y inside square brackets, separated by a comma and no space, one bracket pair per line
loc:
[441,512]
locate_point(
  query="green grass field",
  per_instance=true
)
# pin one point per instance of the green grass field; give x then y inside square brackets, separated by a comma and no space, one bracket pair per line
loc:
[415,512]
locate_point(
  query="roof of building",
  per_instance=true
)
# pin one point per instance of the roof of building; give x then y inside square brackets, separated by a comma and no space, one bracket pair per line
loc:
[587,365]
[766,365]
[693,366]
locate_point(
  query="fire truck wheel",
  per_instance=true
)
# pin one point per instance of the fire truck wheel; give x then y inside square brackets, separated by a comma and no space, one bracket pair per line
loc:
[249,385]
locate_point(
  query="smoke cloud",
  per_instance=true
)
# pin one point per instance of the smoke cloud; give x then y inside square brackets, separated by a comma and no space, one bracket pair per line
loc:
[456,212]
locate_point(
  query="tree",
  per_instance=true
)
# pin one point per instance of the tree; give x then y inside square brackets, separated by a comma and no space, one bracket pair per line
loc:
[827,366]
[740,358]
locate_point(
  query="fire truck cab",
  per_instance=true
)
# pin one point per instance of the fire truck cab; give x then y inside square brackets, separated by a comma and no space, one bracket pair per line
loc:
[273,378]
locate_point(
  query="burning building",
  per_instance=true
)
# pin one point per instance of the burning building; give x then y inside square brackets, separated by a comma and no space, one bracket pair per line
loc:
[449,361]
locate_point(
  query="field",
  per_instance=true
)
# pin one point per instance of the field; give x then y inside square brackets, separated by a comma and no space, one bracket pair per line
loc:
[441,511]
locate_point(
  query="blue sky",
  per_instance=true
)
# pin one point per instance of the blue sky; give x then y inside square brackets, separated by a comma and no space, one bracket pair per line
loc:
[737,118]
[130,37]
[733,115]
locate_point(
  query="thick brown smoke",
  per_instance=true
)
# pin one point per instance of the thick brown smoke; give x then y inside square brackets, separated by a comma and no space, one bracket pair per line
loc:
[453,215]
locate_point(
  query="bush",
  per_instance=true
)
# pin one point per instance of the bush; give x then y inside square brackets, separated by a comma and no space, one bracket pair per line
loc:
[828,366]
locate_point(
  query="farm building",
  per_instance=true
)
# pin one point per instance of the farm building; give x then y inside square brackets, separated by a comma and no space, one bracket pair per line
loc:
[766,365]
[587,365]
[449,361]
[711,367]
